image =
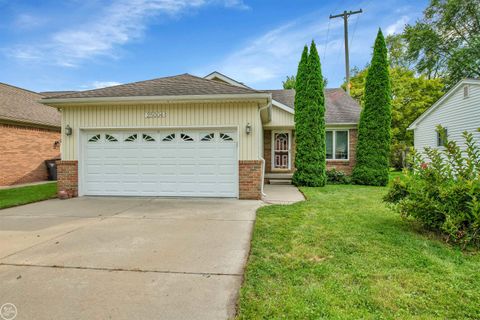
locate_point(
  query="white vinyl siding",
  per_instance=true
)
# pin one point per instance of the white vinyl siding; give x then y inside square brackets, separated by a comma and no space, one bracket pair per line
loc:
[457,114]
[280,119]
[235,115]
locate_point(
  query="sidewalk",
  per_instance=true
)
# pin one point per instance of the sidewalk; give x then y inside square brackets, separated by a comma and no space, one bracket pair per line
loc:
[281,194]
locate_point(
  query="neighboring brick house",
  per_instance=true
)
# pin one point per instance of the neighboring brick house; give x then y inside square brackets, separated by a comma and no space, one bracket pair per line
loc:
[187,136]
[29,135]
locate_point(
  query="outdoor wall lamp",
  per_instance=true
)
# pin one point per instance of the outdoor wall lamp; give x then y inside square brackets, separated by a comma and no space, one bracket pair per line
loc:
[248,128]
[68,130]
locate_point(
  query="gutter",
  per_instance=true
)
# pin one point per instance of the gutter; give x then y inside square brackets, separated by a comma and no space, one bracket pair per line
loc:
[268,105]
[149,99]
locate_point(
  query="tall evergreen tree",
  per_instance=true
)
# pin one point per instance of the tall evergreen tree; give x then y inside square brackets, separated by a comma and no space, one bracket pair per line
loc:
[310,122]
[374,134]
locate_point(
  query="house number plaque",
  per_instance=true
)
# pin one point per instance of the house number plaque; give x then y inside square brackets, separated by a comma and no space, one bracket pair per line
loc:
[155,114]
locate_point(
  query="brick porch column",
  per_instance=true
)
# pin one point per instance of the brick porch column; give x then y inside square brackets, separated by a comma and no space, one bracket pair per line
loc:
[250,179]
[67,177]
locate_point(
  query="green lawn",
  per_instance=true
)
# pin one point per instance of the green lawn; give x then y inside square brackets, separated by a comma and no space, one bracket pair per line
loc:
[395,174]
[22,195]
[343,255]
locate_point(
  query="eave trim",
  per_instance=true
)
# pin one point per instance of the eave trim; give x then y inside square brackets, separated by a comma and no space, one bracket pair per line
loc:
[150,99]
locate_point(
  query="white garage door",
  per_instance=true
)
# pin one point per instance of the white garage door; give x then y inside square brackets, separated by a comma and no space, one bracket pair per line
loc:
[160,163]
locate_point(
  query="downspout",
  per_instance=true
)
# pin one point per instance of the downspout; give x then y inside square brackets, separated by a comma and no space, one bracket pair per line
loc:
[268,105]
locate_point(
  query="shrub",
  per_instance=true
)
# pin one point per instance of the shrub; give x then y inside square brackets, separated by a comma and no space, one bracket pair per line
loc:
[310,122]
[444,193]
[337,177]
[373,147]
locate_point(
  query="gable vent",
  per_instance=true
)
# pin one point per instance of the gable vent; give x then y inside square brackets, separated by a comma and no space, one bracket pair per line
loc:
[466,90]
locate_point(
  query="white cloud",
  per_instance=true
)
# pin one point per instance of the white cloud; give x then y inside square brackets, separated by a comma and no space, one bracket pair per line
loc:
[238,4]
[121,22]
[275,53]
[397,26]
[27,21]
[266,60]
[100,84]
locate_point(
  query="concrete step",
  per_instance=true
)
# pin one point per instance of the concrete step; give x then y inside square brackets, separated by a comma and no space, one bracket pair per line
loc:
[275,175]
[280,181]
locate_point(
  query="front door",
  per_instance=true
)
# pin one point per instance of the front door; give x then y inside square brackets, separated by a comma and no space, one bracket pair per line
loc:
[281,150]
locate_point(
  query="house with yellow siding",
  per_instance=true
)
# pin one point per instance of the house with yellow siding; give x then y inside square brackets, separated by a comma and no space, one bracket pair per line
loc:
[187,136]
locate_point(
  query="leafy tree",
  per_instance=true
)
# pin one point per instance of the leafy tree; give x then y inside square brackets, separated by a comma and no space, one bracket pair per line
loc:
[289,83]
[357,84]
[397,52]
[373,147]
[411,96]
[446,41]
[310,159]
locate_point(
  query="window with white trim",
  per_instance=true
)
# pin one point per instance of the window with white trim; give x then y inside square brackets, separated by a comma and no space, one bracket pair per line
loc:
[337,144]
[281,150]
[442,137]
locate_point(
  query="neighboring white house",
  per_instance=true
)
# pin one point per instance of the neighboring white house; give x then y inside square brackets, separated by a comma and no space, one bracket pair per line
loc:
[457,111]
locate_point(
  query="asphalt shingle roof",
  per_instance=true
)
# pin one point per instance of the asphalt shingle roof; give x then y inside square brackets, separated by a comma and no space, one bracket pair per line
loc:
[181,85]
[340,107]
[52,94]
[18,104]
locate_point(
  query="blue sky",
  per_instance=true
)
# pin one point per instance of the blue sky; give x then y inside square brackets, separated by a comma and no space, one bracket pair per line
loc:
[84,44]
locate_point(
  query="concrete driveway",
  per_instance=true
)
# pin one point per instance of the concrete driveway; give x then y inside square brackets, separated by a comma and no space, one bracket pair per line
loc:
[125,258]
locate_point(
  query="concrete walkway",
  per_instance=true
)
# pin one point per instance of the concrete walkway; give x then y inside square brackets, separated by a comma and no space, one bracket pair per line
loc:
[281,194]
[125,258]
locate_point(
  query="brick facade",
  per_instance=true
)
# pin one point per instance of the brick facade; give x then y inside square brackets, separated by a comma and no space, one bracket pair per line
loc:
[23,151]
[267,149]
[67,174]
[250,179]
[342,165]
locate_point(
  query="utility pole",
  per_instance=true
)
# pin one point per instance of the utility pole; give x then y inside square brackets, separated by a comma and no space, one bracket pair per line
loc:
[345,16]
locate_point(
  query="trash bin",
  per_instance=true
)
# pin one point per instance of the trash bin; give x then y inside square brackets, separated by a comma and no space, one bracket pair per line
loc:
[51,168]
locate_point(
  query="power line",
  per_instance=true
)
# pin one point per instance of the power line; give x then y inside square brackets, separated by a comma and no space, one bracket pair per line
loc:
[345,16]
[354,30]
[326,40]
[328,31]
